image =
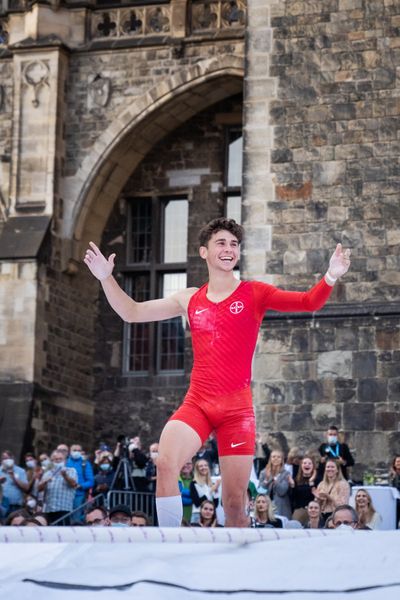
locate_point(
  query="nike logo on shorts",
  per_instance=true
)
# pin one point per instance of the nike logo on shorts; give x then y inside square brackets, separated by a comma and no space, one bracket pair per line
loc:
[198,311]
[238,444]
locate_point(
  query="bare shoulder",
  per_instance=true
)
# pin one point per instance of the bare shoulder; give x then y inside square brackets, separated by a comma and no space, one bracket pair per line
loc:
[183,296]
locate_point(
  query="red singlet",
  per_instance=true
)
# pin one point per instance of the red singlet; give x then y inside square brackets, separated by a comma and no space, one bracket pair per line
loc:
[224,336]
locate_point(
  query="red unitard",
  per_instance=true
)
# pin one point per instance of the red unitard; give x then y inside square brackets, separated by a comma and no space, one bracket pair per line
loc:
[224,335]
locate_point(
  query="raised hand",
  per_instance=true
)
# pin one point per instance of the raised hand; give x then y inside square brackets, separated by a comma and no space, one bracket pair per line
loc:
[99,265]
[339,263]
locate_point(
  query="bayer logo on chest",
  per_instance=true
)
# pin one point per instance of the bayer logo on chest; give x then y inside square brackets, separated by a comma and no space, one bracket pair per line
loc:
[236,307]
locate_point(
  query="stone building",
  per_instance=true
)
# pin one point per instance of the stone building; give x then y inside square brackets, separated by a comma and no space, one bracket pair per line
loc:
[122,123]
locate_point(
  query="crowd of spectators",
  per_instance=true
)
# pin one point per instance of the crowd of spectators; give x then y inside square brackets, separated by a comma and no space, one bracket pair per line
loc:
[309,490]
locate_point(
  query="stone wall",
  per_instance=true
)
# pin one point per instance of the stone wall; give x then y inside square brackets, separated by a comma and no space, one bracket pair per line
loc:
[336,170]
[18,297]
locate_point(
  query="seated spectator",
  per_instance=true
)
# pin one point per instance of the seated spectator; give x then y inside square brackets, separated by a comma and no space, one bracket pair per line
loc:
[31,522]
[202,488]
[264,513]
[208,515]
[151,467]
[58,484]
[302,494]
[120,516]
[84,471]
[276,482]
[185,479]
[293,461]
[333,490]
[140,519]
[345,517]
[332,448]
[17,517]
[394,475]
[394,480]
[96,516]
[314,517]
[15,482]
[367,515]
[104,476]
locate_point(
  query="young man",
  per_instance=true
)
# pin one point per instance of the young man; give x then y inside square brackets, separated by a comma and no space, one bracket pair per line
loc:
[224,316]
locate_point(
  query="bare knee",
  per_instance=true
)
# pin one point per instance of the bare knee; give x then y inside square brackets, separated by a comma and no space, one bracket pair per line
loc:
[167,467]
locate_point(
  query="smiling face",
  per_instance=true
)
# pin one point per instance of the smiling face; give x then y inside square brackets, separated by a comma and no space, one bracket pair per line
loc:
[203,468]
[221,252]
[362,500]
[307,466]
[276,458]
[313,509]
[331,469]
[207,511]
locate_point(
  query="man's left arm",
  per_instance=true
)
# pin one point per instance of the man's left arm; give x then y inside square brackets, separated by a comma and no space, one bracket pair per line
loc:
[347,456]
[314,298]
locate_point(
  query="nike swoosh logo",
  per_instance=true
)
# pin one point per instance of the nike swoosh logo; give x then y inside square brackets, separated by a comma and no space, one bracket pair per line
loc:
[238,444]
[197,311]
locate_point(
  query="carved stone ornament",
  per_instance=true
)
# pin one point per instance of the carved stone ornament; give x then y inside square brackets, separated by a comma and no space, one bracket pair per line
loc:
[99,91]
[36,75]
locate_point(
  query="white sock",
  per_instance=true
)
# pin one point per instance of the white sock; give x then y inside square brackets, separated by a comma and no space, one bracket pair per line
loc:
[169,511]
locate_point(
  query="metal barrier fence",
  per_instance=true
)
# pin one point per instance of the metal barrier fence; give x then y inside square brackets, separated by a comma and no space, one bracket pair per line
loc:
[143,501]
[137,501]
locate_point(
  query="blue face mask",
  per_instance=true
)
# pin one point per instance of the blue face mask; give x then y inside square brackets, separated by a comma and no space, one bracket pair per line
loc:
[105,467]
[120,524]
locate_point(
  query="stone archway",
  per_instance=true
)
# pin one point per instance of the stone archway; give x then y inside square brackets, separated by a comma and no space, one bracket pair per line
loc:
[90,194]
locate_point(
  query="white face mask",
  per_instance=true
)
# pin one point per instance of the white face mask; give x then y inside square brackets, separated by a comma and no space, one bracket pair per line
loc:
[132,447]
[344,527]
[332,439]
[8,463]
[76,454]
[31,503]
[45,463]
[59,466]
[153,455]
[31,464]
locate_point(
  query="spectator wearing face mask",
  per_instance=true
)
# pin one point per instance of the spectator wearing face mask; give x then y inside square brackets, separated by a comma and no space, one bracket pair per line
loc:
[58,483]
[78,461]
[332,448]
[345,517]
[151,467]
[120,516]
[104,476]
[34,473]
[31,505]
[14,482]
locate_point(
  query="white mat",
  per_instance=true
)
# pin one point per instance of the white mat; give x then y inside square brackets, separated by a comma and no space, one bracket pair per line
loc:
[293,566]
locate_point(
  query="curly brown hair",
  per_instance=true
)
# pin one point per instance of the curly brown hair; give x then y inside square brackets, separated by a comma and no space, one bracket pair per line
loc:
[220,224]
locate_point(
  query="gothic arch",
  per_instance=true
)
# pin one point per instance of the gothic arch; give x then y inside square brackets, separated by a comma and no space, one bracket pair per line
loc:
[90,194]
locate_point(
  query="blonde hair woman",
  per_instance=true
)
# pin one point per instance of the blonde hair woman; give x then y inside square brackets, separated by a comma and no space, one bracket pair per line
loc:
[202,488]
[264,513]
[333,489]
[276,482]
[368,516]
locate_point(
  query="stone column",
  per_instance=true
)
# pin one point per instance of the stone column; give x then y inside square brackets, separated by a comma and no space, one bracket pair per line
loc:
[259,90]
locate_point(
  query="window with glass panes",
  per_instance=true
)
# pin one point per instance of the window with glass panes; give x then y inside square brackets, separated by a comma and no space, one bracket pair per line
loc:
[156,268]
[233,177]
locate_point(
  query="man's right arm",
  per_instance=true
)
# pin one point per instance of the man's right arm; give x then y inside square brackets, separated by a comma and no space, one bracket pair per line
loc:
[127,308]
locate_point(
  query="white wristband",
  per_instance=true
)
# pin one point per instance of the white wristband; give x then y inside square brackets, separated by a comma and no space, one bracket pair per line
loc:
[329,279]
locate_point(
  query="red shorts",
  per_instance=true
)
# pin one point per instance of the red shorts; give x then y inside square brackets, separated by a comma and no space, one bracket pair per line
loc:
[231,417]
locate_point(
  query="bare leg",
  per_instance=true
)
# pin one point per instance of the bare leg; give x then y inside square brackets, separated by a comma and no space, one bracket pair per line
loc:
[178,443]
[235,473]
